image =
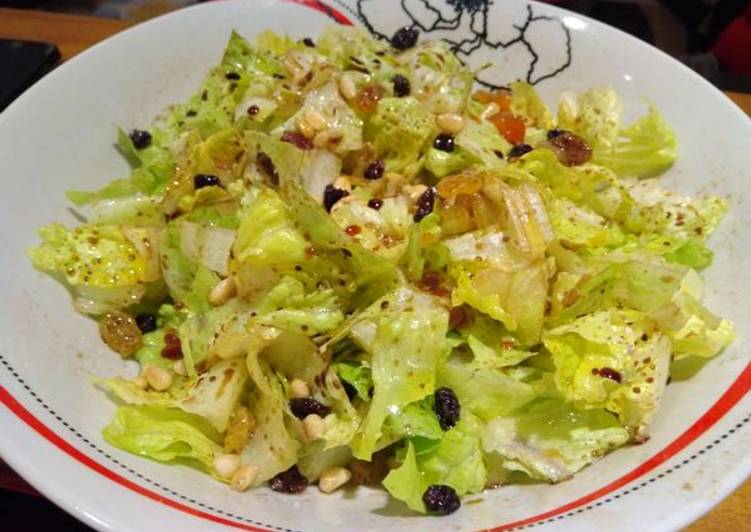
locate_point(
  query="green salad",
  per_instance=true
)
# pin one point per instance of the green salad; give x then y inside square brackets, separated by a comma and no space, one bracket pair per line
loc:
[340,263]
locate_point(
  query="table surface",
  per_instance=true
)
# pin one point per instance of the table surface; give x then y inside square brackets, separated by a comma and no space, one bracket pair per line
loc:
[73,34]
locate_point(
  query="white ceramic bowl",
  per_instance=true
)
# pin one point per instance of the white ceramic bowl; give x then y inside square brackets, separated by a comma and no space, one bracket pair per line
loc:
[59,135]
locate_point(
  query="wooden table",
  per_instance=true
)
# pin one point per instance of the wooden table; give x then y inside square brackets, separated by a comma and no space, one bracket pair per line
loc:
[73,34]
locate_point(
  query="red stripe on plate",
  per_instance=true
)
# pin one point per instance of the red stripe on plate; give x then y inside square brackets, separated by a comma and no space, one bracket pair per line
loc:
[325,9]
[730,398]
[19,410]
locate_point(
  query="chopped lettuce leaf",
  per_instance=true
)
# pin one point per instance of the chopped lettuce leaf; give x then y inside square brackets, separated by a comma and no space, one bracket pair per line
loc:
[525,102]
[457,461]
[645,148]
[163,434]
[400,130]
[407,348]
[594,115]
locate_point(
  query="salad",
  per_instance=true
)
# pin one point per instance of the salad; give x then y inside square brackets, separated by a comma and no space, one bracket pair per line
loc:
[340,263]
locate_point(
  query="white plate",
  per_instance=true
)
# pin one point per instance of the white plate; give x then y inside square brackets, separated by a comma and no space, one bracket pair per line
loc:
[59,135]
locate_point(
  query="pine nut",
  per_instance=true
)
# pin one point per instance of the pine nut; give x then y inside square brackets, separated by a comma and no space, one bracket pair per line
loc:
[322,139]
[347,87]
[333,478]
[450,122]
[178,366]
[315,119]
[243,477]
[158,378]
[226,464]
[141,382]
[305,130]
[491,109]
[415,191]
[224,290]
[313,426]
[342,182]
[298,389]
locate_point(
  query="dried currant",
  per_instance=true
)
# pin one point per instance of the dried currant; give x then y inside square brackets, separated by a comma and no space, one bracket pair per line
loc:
[446,408]
[304,406]
[290,481]
[441,499]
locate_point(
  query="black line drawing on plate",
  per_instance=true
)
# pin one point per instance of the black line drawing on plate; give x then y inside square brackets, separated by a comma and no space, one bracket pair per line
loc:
[533,48]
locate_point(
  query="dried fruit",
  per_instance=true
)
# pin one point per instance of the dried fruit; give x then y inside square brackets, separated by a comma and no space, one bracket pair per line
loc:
[519,150]
[441,499]
[367,99]
[446,408]
[120,332]
[304,406]
[141,139]
[425,204]
[293,137]
[290,481]
[240,429]
[571,149]
[206,180]
[375,203]
[331,195]
[444,142]
[172,347]
[374,170]
[402,86]
[405,37]
[146,322]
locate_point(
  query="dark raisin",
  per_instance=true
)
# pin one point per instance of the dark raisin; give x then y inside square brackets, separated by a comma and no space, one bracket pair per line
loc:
[498,153]
[304,406]
[371,391]
[172,347]
[444,142]
[405,37]
[141,139]
[146,322]
[402,86]
[375,203]
[253,110]
[441,499]
[374,170]
[293,137]
[425,204]
[307,41]
[610,373]
[571,150]
[206,180]
[519,150]
[331,195]
[290,481]
[233,76]
[553,133]
[267,165]
[191,112]
[446,408]
[350,390]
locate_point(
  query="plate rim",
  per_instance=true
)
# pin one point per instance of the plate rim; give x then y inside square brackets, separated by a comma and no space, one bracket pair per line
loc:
[740,386]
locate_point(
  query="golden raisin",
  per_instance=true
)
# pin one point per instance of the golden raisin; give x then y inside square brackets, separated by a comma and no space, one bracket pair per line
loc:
[240,429]
[121,333]
[367,99]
